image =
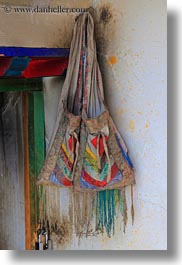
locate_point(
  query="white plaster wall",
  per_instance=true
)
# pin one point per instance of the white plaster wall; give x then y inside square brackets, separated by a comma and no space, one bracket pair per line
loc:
[136,93]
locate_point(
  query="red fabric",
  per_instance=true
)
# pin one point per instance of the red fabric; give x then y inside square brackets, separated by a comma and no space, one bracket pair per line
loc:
[4,64]
[65,182]
[101,144]
[98,183]
[46,67]
[71,141]
[38,67]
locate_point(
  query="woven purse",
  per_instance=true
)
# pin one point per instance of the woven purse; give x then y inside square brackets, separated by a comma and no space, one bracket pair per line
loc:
[86,150]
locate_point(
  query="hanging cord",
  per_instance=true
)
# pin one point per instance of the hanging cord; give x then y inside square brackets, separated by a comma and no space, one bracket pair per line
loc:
[132,206]
[125,215]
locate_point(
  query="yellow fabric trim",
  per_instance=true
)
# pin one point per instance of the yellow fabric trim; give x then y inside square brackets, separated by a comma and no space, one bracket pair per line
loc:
[66,152]
[91,153]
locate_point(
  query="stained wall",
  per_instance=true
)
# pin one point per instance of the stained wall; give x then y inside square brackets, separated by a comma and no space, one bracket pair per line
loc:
[132,53]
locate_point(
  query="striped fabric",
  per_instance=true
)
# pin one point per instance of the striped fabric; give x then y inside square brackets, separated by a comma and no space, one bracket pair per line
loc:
[63,172]
[31,67]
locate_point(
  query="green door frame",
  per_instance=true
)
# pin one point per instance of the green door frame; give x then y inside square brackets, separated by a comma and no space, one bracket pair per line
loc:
[34,148]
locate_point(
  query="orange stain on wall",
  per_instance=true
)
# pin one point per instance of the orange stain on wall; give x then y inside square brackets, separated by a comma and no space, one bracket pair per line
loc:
[132,125]
[112,60]
[146,125]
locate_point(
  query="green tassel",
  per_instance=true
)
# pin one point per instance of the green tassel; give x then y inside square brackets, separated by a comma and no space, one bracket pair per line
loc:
[108,203]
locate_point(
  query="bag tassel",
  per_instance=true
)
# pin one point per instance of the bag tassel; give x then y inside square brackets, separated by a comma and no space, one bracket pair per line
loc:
[125,215]
[132,206]
[95,212]
[83,212]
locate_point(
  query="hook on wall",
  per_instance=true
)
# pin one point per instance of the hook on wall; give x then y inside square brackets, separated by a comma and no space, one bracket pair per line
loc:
[91,9]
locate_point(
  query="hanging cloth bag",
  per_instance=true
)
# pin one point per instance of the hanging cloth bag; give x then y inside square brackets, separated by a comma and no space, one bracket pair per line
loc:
[86,150]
